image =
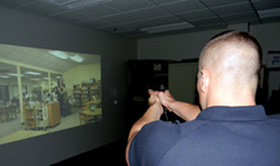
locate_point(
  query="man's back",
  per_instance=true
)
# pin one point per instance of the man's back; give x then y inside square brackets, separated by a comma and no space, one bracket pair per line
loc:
[219,136]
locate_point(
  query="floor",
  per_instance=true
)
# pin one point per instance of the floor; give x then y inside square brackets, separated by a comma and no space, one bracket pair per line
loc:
[72,120]
[110,154]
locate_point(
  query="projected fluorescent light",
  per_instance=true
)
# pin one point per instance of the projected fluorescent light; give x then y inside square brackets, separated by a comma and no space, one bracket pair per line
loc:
[46,78]
[77,58]
[269,13]
[4,76]
[58,77]
[34,79]
[32,73]
[72,4]
[14,74]
[59,54]
[168,27]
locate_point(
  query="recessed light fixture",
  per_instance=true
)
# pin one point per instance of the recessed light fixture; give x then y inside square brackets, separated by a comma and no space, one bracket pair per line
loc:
[15,74]
[59,54]
[269,13]
[77,58]
[73,4]
[34,79]
[32,73]
[4,76]
[168,27]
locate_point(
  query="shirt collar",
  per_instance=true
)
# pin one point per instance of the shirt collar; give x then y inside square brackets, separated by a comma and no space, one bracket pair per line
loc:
[220,113]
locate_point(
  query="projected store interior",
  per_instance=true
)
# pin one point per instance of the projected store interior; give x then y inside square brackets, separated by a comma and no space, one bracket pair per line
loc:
[44,91]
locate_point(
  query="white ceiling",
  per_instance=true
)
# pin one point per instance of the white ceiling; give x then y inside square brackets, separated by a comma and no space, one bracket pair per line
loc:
[127,17]
[40,60]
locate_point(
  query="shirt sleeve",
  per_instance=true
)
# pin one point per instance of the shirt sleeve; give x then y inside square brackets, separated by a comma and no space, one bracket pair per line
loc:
[152,142]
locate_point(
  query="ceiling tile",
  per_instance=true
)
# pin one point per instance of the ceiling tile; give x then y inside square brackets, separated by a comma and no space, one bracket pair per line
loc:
[149,13]
[198,14]
[70,16]
[15,56]
[95,23]
[98,10]
[120,18]
[233,9]
[266,4]
[24,49]
[4,51]
[215,3]
[114,28]
[240,17]
[207,22]
[41,8]
[138,24]
[26,59]
[160,2]
[127,5]
[14,3]
[183,6]
[164,20]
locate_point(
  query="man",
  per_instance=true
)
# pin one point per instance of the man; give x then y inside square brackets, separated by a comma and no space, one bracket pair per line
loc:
[64,101]
[231,129]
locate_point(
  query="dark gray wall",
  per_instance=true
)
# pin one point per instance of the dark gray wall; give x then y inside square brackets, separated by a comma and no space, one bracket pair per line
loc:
[24,29]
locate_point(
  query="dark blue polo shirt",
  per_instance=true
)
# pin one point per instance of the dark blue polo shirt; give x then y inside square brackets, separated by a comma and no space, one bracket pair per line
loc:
[218,136]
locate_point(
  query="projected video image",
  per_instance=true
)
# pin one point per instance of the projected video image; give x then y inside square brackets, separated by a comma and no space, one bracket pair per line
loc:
[44,91]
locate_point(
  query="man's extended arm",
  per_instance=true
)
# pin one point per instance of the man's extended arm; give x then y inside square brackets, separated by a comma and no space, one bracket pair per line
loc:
[152,114]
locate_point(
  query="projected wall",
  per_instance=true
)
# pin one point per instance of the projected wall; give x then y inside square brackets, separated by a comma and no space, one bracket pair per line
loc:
[44,91]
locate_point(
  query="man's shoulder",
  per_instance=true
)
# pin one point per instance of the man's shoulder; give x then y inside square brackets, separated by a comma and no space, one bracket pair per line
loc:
[156,138]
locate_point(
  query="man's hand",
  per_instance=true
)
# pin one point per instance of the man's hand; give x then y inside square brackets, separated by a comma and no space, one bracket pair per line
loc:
[165,98]
[184,110]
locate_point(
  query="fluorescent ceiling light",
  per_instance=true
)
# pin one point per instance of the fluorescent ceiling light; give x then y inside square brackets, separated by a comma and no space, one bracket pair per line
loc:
[168,27]
[34,79]
[32,73]
[61,2]
[269,13]
[58,77]
[4,76]
[15,74]
[46,78]
[77,58]
[73,4]
[59,54]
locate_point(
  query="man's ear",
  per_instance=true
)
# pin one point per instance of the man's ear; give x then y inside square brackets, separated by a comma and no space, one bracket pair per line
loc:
[205,79]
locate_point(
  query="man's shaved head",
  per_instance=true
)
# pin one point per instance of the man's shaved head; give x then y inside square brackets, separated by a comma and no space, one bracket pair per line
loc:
[233,59]
[236,53]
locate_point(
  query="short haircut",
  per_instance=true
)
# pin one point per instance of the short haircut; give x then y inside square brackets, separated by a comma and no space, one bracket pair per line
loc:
[218,46]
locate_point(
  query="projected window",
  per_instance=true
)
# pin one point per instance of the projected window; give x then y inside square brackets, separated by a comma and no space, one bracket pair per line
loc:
[44,91]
